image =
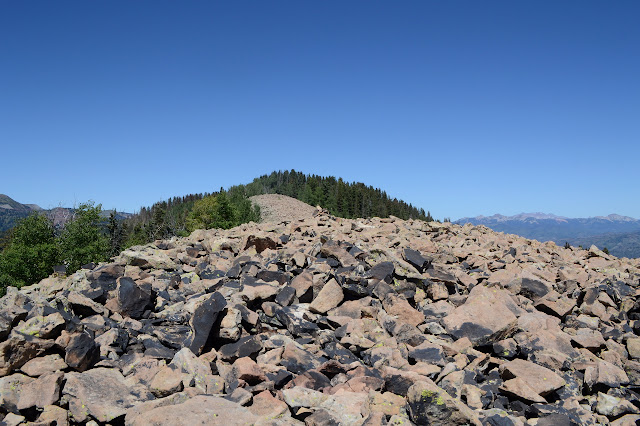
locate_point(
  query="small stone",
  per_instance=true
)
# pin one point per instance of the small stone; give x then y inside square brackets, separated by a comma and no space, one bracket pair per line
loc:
[166,382]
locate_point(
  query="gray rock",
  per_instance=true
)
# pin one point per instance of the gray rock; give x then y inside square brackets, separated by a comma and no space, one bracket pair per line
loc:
[101,393]
[10,389]
[18,349]
[41,392]
[201,409]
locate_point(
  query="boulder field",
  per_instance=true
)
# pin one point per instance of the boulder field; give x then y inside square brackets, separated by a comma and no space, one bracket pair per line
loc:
[328,321]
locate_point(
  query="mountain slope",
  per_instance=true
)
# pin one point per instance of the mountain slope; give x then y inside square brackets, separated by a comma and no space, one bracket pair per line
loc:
[330,321]
[575,231]
[11,211]
[625,244]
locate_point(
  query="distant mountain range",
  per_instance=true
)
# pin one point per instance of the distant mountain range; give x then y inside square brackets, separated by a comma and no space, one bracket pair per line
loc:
[619,234]
[11,211]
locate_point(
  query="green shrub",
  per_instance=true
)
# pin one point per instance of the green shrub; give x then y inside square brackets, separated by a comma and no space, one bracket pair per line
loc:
[83,240]
[31,253]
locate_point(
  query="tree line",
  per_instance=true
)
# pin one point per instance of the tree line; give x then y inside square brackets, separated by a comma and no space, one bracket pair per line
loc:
[34,246]
[182,215]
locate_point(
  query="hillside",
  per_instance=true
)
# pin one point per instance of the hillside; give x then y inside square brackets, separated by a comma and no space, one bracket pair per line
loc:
[340,198]
[626,244]
[329,321]
[167,218]
[11,211]
[617,233]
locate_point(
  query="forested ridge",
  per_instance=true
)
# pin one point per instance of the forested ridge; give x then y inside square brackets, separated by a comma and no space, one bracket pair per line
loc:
[176,216]
[342,199]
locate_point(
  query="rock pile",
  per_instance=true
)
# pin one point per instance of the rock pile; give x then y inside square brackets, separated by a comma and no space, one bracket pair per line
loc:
[329,321]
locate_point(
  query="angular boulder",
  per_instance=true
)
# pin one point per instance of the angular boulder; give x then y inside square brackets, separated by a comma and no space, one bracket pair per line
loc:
[101,393]
[429,404]
[204,315]
[489,314]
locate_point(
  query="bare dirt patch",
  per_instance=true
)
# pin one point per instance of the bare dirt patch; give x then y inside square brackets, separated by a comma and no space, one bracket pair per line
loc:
[278,208]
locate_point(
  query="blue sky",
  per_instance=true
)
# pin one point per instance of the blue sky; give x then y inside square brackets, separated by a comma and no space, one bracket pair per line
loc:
[462,108]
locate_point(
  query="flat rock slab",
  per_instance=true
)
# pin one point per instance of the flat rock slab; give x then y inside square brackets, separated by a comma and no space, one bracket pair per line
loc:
[520,388]
[102,394]
[199,410]
[43,365]
[489,314]
[540,379]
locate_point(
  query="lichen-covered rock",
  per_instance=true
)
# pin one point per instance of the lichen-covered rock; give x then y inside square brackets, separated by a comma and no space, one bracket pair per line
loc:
[41,392]
[430,404]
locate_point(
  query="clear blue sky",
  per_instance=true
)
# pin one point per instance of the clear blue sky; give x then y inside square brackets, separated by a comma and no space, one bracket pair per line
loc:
[463,108]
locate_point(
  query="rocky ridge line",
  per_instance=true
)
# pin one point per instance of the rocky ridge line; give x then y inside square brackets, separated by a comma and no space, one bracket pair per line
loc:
[329,321]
